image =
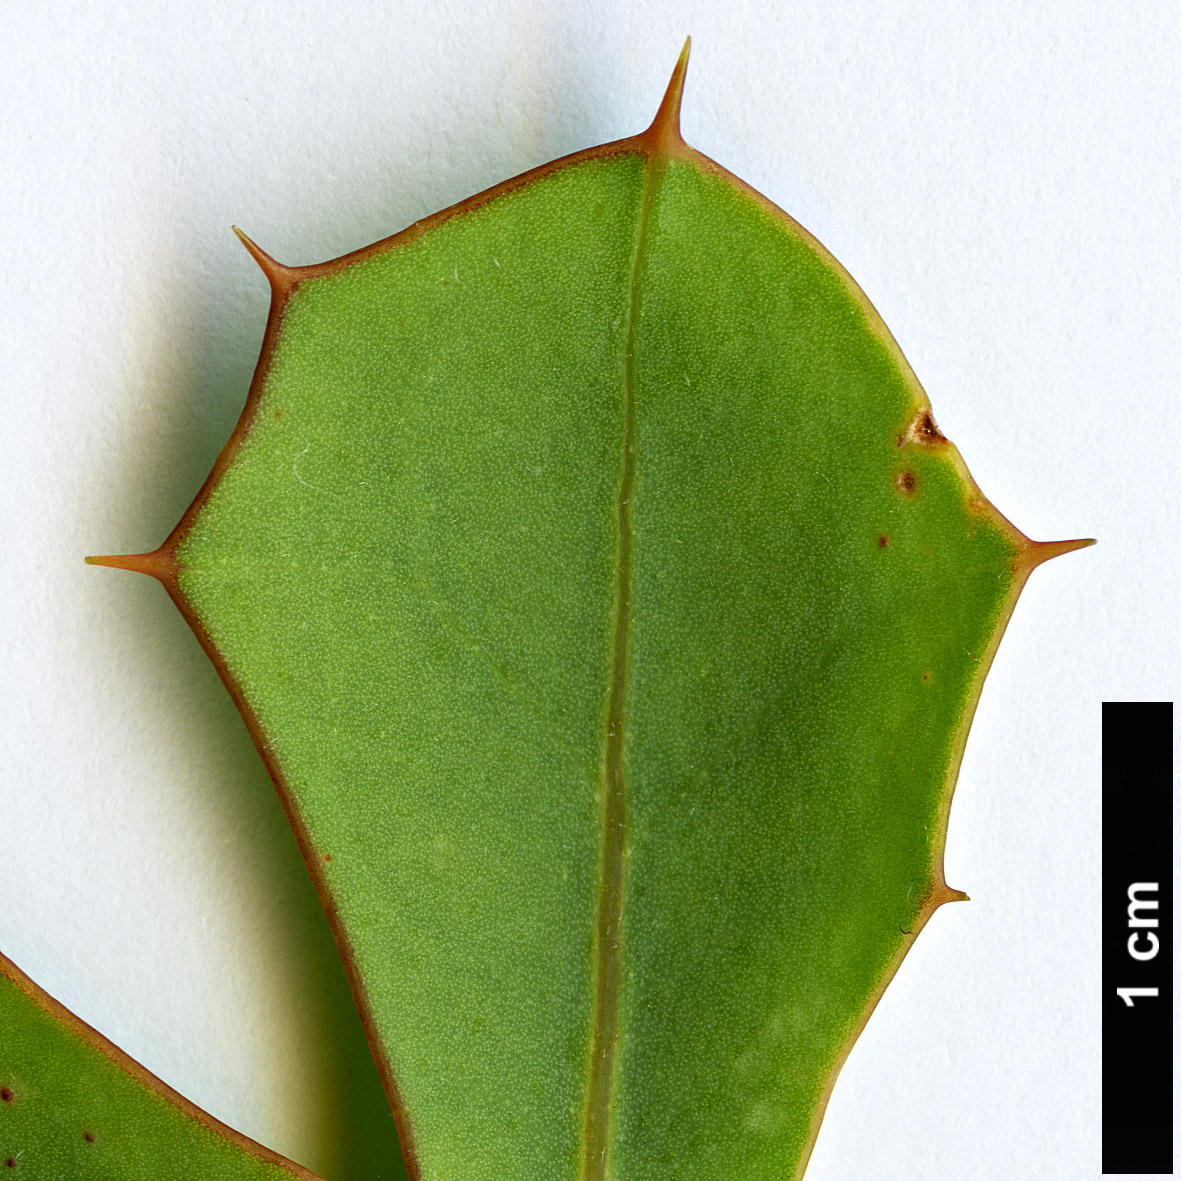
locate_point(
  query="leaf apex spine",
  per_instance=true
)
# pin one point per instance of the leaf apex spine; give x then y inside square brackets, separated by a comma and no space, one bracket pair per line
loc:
[158,564]
[665,131]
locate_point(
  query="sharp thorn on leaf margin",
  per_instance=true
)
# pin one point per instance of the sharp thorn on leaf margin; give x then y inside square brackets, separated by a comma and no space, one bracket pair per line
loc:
[1042,551]
[280,277]
[158,564]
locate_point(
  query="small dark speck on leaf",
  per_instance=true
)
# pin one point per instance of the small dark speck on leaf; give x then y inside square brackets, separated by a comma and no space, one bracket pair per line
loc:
[10,1163]
[88,1137]
[6,1094]
[325,857]
[883,541]
[277,414]
[926,676]
[905,482]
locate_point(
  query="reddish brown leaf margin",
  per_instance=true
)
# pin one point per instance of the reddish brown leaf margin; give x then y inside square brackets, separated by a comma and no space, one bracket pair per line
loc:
[95,1040]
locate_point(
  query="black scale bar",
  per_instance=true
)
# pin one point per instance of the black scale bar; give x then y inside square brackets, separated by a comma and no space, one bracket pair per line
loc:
[1137,937]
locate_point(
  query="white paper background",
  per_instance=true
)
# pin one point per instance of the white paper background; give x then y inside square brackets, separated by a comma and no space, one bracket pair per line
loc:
[1002,181]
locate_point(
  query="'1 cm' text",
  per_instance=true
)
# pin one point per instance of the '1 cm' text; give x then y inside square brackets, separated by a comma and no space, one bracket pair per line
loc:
[1143,945]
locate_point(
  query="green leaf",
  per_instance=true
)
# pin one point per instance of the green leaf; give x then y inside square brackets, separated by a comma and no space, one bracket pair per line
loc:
[72,1105]
[610,614]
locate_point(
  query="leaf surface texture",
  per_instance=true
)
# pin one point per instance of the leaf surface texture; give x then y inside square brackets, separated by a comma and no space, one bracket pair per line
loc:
[74,1106]
[610,613]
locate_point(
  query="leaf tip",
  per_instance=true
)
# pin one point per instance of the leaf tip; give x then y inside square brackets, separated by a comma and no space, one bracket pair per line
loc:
[941,894]
[666,127]
[158,564]
[1038,552]
[280,277]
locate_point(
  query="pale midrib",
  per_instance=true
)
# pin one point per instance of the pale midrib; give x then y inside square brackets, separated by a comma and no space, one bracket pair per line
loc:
[596,1128]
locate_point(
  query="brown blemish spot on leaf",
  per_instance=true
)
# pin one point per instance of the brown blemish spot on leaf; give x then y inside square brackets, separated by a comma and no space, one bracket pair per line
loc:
[924,430]
[906,483]
[277,414]
[7,1094]
[10,1163]
[325,857]
[926,676]
[88,1137]
[883,541]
